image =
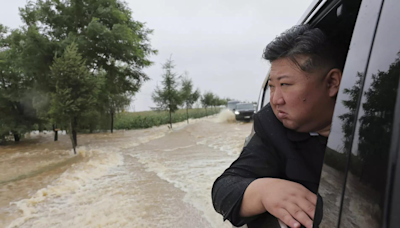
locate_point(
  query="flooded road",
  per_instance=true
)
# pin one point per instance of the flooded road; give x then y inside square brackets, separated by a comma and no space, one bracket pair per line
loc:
[141,178]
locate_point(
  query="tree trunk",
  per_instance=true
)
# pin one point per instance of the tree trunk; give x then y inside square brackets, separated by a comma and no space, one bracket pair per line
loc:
[74,133]
[187,115]
[55,132]
[112,122]
[74,140]
[40,127]
[206,112]
[170,118]
[16,137]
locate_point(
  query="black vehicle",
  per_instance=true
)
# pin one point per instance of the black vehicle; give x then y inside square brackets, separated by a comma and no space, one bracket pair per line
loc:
[244,111]
[360,180]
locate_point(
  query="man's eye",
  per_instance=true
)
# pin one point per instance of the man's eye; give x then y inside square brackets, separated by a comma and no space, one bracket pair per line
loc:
[284,84]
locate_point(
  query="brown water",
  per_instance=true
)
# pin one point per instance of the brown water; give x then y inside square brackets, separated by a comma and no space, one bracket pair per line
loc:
[141,178]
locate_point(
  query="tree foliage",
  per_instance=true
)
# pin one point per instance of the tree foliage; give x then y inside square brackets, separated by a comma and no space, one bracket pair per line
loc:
[17,114]
[75,90]
[168,97]
[207,99]
[107,37]
[112,45]
[189,97]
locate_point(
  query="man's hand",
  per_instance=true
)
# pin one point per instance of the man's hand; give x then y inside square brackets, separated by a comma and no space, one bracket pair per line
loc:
[288,201]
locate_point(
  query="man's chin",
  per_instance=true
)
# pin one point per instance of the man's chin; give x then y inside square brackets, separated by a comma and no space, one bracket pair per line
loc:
[289,124]
[296,127]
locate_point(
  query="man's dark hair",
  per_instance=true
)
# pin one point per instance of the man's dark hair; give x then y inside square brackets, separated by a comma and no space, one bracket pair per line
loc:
[302,40]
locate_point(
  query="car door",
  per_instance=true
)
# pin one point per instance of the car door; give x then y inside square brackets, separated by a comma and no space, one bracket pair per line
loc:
[333,175]
[366,195]
[359,147]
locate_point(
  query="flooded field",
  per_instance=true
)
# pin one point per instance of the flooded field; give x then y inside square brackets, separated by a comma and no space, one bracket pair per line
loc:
[141,178]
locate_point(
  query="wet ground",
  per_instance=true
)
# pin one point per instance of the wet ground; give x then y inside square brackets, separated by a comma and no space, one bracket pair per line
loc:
[141,178]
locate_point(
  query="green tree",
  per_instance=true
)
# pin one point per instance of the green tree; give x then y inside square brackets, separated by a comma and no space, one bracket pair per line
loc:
[107,37]
[189,97]
[117,102]
[216,101]
[207,100]
[31,55]
[17,114]
[224,101]
[168,96]
[75,90]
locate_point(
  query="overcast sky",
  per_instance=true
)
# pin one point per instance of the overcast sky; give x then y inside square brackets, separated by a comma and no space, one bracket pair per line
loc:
[219,43]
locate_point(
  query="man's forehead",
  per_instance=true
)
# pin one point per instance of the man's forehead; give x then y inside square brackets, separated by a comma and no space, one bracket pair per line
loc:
[284,68]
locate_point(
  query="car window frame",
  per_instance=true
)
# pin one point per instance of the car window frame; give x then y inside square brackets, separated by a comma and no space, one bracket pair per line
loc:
[264,88]
[392,202]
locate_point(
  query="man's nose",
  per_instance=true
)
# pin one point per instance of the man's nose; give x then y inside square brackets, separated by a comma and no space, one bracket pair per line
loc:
[277,98]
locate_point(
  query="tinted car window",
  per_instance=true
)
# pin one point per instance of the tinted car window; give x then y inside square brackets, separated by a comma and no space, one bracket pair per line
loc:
[343,125]
[232,105]
[365,187]
[244,106]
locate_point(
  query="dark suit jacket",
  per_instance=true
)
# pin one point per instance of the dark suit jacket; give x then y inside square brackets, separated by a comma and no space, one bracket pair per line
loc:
[273,151]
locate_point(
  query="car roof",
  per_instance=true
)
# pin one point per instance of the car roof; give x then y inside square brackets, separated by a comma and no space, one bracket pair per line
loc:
[312,8]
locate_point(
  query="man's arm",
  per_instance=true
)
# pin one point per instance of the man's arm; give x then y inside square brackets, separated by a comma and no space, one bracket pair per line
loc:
[250,186]
[288,201]
[257,160]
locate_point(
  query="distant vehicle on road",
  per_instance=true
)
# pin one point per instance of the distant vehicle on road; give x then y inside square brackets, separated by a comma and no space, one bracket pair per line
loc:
[244,111]
[232,105]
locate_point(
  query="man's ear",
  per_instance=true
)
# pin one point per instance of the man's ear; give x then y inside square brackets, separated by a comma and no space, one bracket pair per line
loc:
[333,79]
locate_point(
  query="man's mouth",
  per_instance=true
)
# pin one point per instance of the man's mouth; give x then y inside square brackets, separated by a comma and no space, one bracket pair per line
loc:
[282,114]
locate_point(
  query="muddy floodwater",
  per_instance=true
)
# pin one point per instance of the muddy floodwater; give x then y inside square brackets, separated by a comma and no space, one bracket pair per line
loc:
[139,178]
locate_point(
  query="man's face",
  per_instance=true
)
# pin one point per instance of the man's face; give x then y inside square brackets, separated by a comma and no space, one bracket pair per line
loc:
[301,101]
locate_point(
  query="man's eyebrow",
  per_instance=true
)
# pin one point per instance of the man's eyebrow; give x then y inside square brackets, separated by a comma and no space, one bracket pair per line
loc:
[280,77]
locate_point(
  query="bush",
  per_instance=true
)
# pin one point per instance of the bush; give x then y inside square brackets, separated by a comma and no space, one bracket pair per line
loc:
[138,120]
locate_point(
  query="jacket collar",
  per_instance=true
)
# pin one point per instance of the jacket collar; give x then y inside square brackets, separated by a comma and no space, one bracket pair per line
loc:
[297,136]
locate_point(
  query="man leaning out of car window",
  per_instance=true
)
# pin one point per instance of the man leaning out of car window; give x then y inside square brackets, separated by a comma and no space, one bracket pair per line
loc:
[277,173]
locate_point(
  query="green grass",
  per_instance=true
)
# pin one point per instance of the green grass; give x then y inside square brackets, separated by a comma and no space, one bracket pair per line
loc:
[138,120]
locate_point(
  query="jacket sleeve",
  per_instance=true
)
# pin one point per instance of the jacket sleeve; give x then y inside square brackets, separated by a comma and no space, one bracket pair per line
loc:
[258,159]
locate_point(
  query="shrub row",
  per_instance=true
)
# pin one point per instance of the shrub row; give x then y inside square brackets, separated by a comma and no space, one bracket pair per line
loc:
[138,120]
